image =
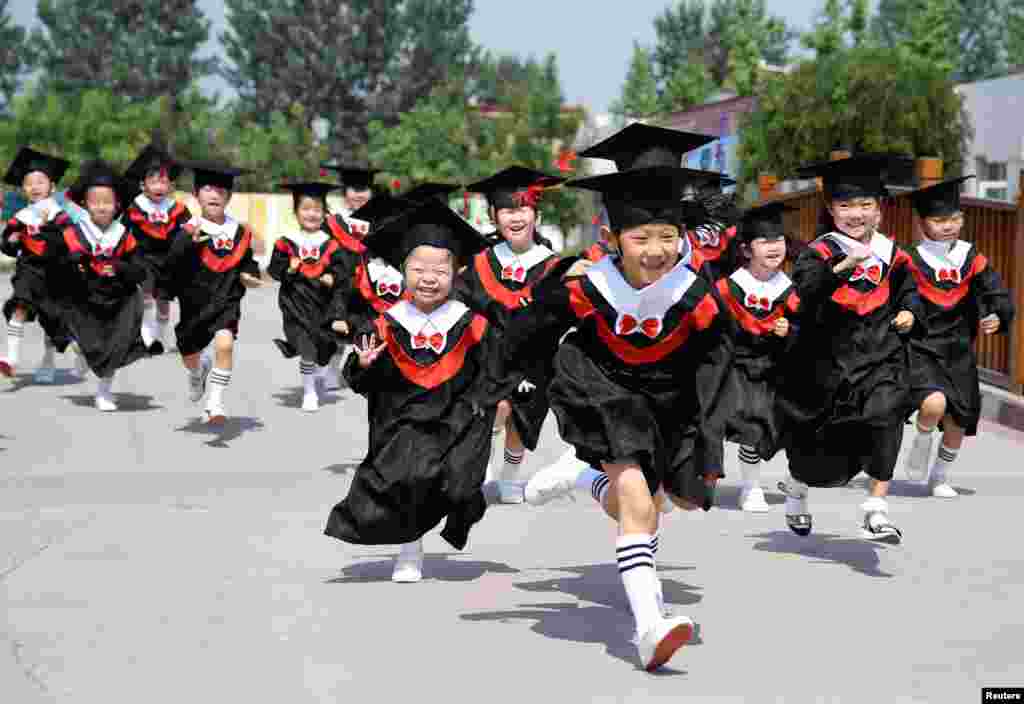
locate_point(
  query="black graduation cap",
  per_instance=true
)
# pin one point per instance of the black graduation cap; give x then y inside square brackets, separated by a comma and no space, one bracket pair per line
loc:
[640,146]
[212,174]
[383,207]
[649,195]
[28,160]
[428,190]
[502,188]
[939,199]
[153,158]
[764,221]
[859,176]
[100,173]
[431,223]
[313,189]
[356,177]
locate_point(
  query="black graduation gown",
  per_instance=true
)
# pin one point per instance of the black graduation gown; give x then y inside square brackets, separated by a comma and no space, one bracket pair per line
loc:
[103,310]
[657,401]
[847,373]
[430,419]
[208,285]
[360,298]
[752,418]
[954,299]
[154,240]
[304,301]
[35,284]
[483,289]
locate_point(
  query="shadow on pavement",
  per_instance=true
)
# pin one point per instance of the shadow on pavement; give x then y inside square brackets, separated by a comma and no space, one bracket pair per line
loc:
[858,554]
[436,567]
[291,397]
[234,427]
[607,622]
[132,403]
[903,487]
[727,498]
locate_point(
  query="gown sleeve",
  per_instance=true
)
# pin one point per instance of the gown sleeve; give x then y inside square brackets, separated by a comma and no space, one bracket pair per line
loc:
[280,260]
[714,354]
[991,296]
[815,279]
[249,265]
[128,266]
[905,294]
[8,247]
[373,378]
[533,332]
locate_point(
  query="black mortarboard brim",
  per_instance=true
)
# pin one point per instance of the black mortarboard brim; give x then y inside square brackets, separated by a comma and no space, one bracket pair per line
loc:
[641,146]
[359,178]
[859,176]
[650,195]
[503,188]
[28,160]
[766,221]
[939,199]
[219,175]
[432,223]
[100,173]
[383,207]
[151,159]
[425,191]
[313,189]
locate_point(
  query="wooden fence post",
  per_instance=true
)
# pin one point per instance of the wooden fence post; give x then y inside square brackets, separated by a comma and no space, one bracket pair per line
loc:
[928,170]
[766,186]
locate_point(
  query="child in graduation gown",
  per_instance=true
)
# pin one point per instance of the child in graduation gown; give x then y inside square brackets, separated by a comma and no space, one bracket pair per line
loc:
[102,276]
[762,303]
[498,282]
[35,296]
[845,387]
[308,263]
[431,373]
[637,388]
[155,218]
[961,295]
[208,271]
[349,231]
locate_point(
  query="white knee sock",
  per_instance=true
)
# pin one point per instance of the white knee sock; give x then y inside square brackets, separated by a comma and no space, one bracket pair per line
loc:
[148,312]
[219,380]
[943,463]
[597,483]
[307,370]
[636,569]
[105,385]
[15,334]
[750,465]
[513,460]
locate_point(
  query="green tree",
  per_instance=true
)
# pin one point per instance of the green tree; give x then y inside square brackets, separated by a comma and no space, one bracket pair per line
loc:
[140,49]
[933,35]
[859,21]
[345,62]
[893,101]
[690,85]
[828,35]
[14,56]
[745,53]
[1015,32]
[639,96]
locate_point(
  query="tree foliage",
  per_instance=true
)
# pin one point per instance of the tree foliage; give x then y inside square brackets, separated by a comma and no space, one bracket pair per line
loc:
[346,62]
[873,99]
[639,96]
[139,50]
[15,60]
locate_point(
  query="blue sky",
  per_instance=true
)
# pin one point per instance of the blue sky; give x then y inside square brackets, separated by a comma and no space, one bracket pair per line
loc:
[593,40]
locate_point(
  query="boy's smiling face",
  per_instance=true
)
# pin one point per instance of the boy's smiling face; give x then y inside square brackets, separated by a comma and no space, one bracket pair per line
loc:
[213,201]
[37,186]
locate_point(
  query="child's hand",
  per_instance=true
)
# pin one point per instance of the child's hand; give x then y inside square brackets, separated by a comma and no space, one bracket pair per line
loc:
[293,265]
[903,321]
[369,350]
[989,325]
[781,327]
[327,280]
[250,280]
[858,253]
[340,327]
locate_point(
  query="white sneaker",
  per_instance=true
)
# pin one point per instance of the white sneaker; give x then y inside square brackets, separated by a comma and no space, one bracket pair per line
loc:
[215,414]
[45,375]
[916,465]
[752,500]
[105,402]
[939,486]
[876,525]
[660,643]
[554,481]
[409,563]
[197,384]
[664,609]
[310,402]
[798,512]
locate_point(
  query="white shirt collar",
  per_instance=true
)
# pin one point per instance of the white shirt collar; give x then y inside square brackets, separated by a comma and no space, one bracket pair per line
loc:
[649,302]
[770,289]
[380,271]
[101,239]
[228,229]
[881,247]
[32,214]
[149,206]
[416,321]
[944,255]
[528,259]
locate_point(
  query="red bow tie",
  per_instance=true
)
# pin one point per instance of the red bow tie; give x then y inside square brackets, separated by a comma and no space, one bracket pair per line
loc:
[627,325]
[159,217]
[384,288]
[951,275]
[223,242]
[517,273]
[101,251]
[434,342]
[758,303]
[873,273]
[309,252]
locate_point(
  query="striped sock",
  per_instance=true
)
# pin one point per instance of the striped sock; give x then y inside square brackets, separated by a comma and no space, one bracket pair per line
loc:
[219,380]
[750,464]
[513,458]
[599,488]
[944,460]
[636,569]
[307,370]
[15,334]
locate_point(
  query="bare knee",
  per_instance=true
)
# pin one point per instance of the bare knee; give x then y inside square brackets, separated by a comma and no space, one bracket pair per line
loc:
[934,405]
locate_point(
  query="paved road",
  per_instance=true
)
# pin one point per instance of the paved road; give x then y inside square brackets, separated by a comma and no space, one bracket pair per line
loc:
[144,558]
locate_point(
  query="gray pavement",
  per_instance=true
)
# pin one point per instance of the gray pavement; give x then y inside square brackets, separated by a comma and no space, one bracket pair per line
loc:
[145,558]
